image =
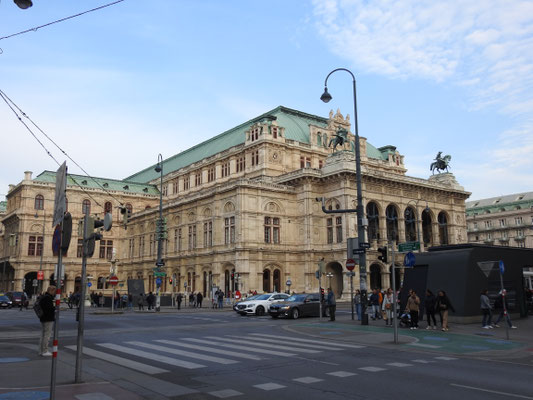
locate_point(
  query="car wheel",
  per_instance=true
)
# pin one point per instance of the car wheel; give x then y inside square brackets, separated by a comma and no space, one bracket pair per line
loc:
[260,311]
[295,313]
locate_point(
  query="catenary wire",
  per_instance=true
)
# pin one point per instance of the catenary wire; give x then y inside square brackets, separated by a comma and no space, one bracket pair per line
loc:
[61,20]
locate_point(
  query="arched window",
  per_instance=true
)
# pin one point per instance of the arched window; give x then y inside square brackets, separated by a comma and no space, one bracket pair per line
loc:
[392,223]
[443,228]
[277,280]
[410,224]
[427,232]
[319,139]
[266,281]
[39,202]
[372,214]
[86,207]
[108,207]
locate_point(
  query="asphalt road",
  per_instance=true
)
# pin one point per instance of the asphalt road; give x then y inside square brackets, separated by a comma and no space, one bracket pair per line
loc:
[219,354]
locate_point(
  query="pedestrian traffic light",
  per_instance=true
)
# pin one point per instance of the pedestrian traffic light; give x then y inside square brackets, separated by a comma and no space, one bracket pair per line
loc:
[384,254]
[170,280]
[232,275]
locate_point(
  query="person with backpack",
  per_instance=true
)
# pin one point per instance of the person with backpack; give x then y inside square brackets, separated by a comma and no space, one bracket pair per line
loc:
[47,318]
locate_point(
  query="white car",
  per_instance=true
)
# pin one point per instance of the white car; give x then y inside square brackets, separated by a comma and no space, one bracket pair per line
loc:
[260,304]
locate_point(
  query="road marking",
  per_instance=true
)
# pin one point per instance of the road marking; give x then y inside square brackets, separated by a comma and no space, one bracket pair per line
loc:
[341,374]
[151,356]
[491,391]
[120,361]
[372,369]
[399,365]
[237,347]
[429,346]
[423,361]
[224,394]
[276,341]
[266,345]
[321,342]
[93,396]
[210,349]
[445,358]
[269,386]
[307,379]
[184,353]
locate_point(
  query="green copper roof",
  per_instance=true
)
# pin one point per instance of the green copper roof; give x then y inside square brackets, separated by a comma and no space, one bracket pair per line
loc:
[517,201]
[296,124]
[99,183]
[3,206]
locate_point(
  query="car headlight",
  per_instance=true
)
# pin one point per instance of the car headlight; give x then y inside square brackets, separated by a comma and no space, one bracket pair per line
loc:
[250,305]
[285,307]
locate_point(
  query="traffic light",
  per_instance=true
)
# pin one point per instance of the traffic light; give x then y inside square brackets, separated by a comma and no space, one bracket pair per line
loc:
[384,254]
[170,280]
[93,236]
[233,276]
[321,294]
[126,215]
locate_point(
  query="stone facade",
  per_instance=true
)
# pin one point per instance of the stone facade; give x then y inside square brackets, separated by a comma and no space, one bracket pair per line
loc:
[504,220]
[242,213]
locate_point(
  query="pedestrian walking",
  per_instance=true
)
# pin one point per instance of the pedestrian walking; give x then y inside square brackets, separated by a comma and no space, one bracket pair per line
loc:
[47,320]
[101,300]
[150,300]
[498,304]
[387,307]
[331,304]
[357,302]
[199,299]
[413,307]
[443,305]
[179,299]
[140,302]
[130,301]
[429,306]
[374,302]
[220,299]
[485,309]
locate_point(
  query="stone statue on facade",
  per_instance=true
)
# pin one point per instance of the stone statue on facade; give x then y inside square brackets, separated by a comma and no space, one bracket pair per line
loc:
[441,163]
[339,138]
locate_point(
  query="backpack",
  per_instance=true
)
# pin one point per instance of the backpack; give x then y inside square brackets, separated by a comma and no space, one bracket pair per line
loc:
[37,307]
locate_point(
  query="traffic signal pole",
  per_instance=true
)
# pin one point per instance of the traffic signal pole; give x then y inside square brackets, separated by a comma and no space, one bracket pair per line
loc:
[81,306]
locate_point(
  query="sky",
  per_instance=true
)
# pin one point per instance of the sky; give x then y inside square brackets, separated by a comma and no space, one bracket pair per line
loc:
[115,87]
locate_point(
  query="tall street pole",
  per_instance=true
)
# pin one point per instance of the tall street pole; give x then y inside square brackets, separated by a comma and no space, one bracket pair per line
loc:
[159,263]
[326,97]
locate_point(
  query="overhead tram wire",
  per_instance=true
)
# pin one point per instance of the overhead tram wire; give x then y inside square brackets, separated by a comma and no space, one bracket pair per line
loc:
[9,103]
[61,20]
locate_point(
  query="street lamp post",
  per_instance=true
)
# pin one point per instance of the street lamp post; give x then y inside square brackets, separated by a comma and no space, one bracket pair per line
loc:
[40,282]
[159,263]
[417,222]
[326,97]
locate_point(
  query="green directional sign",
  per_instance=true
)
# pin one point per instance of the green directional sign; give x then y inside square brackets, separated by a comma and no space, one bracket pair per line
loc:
[160,274]
[408,246]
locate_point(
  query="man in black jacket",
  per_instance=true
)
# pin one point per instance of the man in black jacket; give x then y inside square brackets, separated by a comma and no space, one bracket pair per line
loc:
[47,320]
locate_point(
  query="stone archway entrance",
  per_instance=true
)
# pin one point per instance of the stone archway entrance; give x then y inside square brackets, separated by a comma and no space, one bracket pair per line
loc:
[334,278]
[28,283]
[375,276]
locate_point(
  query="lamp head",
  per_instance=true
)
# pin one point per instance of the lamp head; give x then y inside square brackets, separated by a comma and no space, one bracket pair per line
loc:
[158,168]
[23,3]
[326,97]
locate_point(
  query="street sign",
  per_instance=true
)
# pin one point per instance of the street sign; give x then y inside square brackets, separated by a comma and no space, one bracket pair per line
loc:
[35,282]
[317,274]
[237,295]
[113,280]
[160,264]
[409,259]
[502,267]
[408,246]
[56,239]
[158,281]
[160,274]
[350,264]
[89,284]
[60,202]
[359,251]
[289,282]
[40,275]
[364,245]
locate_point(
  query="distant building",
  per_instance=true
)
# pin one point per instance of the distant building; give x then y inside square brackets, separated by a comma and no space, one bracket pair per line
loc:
[503,220]
[241,211]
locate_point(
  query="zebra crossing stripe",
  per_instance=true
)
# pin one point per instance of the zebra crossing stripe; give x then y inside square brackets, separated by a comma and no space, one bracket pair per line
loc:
[210,349]
[321,342]
[151,356]
[120,361]
[278,347]
[314,345]
[237,347]
[184,353]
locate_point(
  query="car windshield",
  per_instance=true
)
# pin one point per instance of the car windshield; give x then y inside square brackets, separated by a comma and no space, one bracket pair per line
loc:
[4,298]
[255,296]
[297,297]
[262,297]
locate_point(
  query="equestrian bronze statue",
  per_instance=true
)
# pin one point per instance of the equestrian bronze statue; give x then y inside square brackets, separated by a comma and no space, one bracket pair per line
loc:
[441,163]
[339,138]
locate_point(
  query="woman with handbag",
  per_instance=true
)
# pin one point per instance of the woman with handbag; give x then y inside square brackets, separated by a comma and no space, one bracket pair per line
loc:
[443,306]
[387,307]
